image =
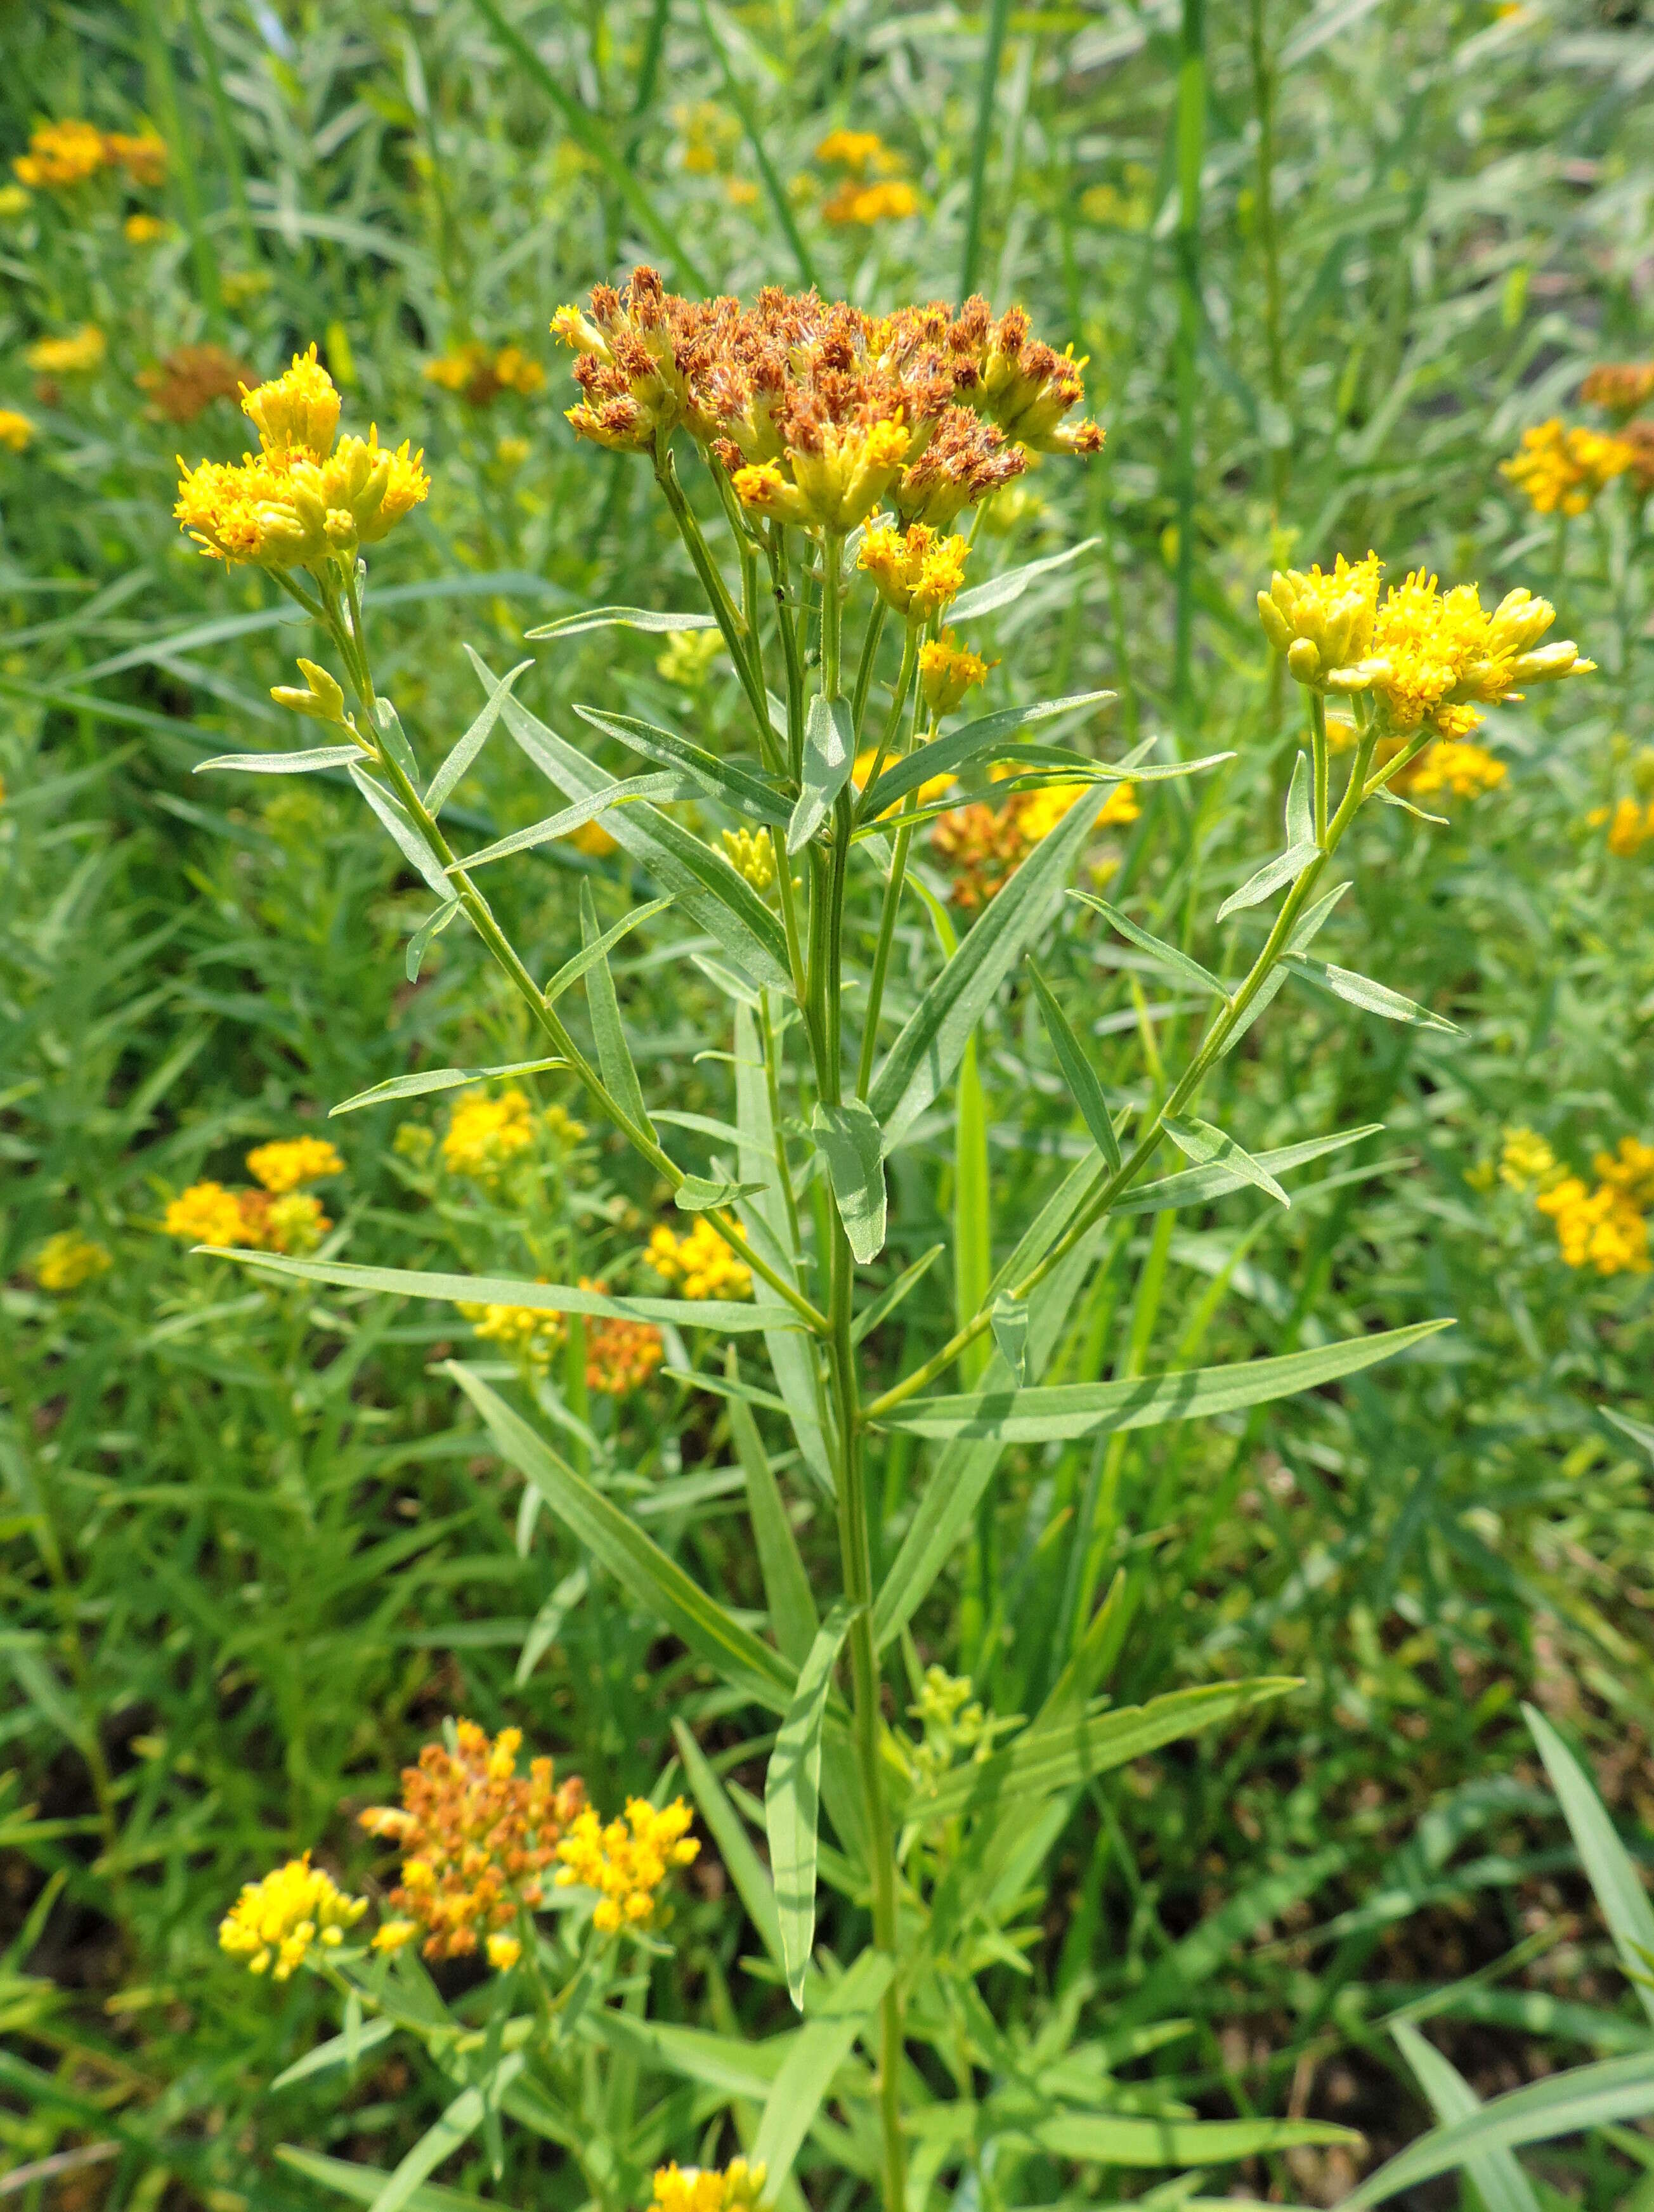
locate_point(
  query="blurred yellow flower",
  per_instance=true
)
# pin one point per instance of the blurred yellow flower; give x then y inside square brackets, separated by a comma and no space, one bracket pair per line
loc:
[735,2188]
[144,229]
[1452,765]
[16,431]
[627,1862]
[480,373]
[206,1213]
[688,657]
[1563,468]
[1600,1228]
[1630,826]
[14,201]
[61,155]
[859,151]
[932,788]
[947,672]
[702,1264]
[485,1131]
[68,1259]
[288,1162]
[751,855]
[503,1952]
[889,201]
[1526,1160]
[276,1920]
[77,354]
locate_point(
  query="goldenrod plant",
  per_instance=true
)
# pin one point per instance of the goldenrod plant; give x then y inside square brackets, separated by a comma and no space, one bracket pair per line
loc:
[843,464]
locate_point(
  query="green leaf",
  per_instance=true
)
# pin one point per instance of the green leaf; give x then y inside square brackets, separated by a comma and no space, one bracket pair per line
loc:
[1567,2103]
[1609,1867]
[888,1300]
[707,1194]
[392,738]
[1286,868]
[792,1798]
[1499,2181]
[942,756]
[1361,991]
[442,2139]
[1300,817]
[1008,1319]
[552,827]
[931,1041]
[614,1053]
[848,1139]
[547,1623]
[404,832]
[740,1862]
[571,970]
[1106,2139]
[1208,1147]
[645,619]
[829,756]
[1195,1186]
[1167,955]
[719,901]
[432,926]
[819,2051]
[1049,1415]
[466,750]
[738,787]
[1055,1758]
[785,1585]
[436,1079]
[1077,1071]
[731,1316]
[362,2184]
[303,764]
[999,591]
[634,1559]
[723,2062]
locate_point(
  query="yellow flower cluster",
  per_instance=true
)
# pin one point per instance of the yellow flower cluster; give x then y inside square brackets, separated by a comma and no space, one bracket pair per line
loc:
[77,355]
[16,431]
[1565,468]
[859,151]
[274,1922]
[751,855]
[1630,826]
[890,200]
[302,500]
[917,571]
[67,1260]
[627,1862]
[621,1355]
[479,373]
[734,2188]
[947,670]
[63,154]
[702,1264]
[282,1217]
[1606,1228]
[484,1133]
[1452,765]
[476,1838]
[1430,658]
[932,788]
[530,1334]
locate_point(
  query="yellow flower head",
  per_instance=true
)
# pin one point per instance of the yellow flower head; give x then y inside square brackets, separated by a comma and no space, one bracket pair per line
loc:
[702,1264]
[288,1162]
[1602,1229]
[206,1213]
[61,155]
[16,431]
[834,473]
[475,1840]
[297,412]
[734,2188]
[294,1223]
[503,1952]
[530,1333]
[274,1922]
[1526,1161]
[1630,1169]
[144,229]
[628,1861]
[1322,622]
[947,672]
[485,1131]
[68,1259]
[1630,827]
[1452,764]
[1559,467]
[77,354]
[621,1355]
[856,150]
[916,571]
[889,201]
[751,855]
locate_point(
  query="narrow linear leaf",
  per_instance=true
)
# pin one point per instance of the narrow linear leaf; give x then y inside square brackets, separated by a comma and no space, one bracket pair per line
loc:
[1000,591]
[1169,957]
[1286,868]
[1300,817]
[942,756]
[1208,1147]
[634,1559]
[1050,1414]
[785,1585]
[303,763]
[850,1140]
[571,970]
[738,787]
[707,1194]
[614,1053]
[1499,2181]
[405,834]
[436,1079]
[829,756]
[644,618]
[1109,2140]
[792,1798]
[1196,1185]
[740,1861]
[362,2184]
[1008,1319]
[393,739]
[1608,1867]
[1077,1071]
[554,827]
[730,1317]
[440,2140]
[1372,998]
[819,2050]
[888,1300]
[332,2053]
[466,750]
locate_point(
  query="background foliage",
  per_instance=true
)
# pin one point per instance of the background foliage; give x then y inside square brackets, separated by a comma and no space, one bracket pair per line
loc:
[254,1548]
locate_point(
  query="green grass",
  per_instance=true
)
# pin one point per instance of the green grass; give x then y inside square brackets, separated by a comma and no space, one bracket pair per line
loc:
[256,1545]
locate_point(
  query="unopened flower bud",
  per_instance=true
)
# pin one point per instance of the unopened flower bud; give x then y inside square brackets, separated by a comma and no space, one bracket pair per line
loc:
[1304,660]
[323,701]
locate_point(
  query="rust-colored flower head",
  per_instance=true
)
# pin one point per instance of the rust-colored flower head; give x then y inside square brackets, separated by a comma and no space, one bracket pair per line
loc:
[475,1840]
[965,459]
[184,382]
[1021,383]
[1619,387]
